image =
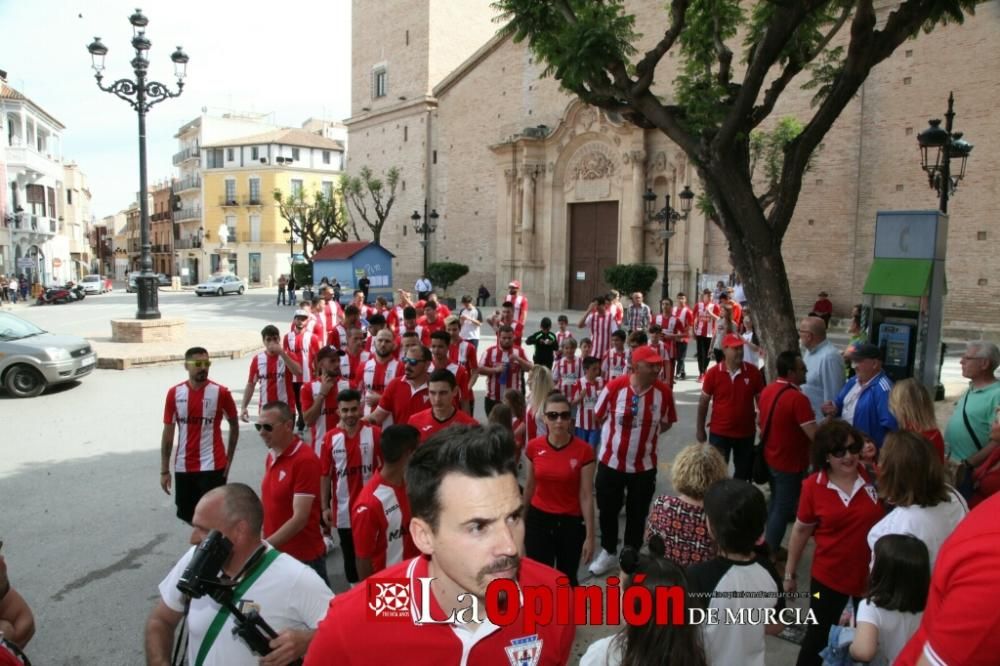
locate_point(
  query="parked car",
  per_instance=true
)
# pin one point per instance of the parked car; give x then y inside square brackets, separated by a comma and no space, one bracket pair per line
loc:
[32,359]
[162,279]
[95,284]
[219,285]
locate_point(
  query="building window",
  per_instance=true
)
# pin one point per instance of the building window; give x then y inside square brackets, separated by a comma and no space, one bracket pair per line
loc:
[295,154]
[326,157]
[69,197]
[327,190]
[255,228]
[296,188]
[255,190]
[214,160]
[406,132]
[380,82]
[230,190]
[254,153]
[230,155]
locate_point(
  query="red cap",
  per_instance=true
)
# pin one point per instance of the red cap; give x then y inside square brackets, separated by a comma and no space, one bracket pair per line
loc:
[515,283]
[646,354]
[732,340]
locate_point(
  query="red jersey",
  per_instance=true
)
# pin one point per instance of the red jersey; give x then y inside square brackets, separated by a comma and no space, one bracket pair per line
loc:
[428,424]
[329,314]
[380,524]
[303,347]
[422,332]
[733,399]
[431,326]
[787,446]
[402,400]
[588,391]
[704,322]
[671,325]
[328,417]
[349,462]
[198,415]
[374,376]
[685,317]
[601,327]
[534,425]
[613,364]
[348,624]
[566,372]
[275,379]
[293,473]
[510,378]
[558,474]
[520,307]
[464,353]
[394,318]
[632,423]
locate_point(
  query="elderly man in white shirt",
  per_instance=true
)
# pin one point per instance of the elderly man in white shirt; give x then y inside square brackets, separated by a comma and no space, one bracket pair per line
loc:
[824,364]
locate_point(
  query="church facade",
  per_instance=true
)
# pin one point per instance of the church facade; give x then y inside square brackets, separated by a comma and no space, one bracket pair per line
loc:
[531,184]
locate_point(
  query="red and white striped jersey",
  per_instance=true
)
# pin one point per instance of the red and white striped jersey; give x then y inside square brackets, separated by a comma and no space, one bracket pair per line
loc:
[614,364]
[329,315]
[461,378]
[303,347]
[349,364]
[704,322]
[671,325]
[394,318]
[380,524]
[510,378]
[313,326]
[663,348]
[520,307]
[328,416]
[464,353]
[601,327]
[350,463]
[275,379]
[562,336]
[566,372]
[685,317]
[198,415]
[632,423]
[423,333]
[588,390]
[374,376]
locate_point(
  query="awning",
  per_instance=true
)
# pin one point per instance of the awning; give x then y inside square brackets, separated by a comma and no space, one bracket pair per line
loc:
[899,277]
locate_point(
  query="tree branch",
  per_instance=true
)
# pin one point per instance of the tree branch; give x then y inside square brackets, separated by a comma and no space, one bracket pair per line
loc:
[646,67]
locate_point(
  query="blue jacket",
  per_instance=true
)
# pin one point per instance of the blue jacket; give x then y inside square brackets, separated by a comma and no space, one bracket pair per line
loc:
[871,414]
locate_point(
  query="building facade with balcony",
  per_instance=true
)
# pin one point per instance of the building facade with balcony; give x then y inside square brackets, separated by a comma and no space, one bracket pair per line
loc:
[76,221]
[161,227]
[239,179]
[31,207]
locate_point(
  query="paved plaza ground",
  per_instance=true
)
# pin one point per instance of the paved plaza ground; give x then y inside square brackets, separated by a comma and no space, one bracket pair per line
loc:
[88,534]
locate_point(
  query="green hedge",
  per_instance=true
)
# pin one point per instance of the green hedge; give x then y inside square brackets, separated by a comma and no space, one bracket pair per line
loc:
[443,274]
[630,278]
[303,274]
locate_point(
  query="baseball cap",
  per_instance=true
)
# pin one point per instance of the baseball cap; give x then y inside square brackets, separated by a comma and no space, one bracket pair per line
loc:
[732,340]
[865,350]
[301,313]
[646,354]
[515,283]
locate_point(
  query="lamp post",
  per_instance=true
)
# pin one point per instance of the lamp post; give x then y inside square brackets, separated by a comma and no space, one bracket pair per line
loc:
[141,95]
[669,217]
[425,226]
[291,246]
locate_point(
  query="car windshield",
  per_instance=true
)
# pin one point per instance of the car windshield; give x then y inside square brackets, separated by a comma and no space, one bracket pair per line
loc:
[91,278]
[15,328]
[217,279]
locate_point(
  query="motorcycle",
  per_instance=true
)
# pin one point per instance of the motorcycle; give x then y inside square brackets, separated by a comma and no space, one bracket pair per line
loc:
[58,295]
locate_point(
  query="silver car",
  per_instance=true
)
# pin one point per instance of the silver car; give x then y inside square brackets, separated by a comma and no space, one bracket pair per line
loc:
[31,359]
[93,284]
[219,285]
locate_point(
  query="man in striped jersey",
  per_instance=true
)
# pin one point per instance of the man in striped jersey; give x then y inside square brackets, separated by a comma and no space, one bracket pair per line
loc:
[615,361]
[195,409]
[303,344]
[519,301]
[380,522]
[503,365]
[319,397]
[350,455]
[634,410]
[272,369]
[328,312]
[376,373]
[601,323]
[440,360]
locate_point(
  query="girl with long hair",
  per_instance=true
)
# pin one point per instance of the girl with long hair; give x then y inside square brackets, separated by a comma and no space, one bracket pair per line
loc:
[911,404]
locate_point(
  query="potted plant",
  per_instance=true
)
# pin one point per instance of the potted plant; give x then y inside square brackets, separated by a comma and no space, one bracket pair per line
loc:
[443,274]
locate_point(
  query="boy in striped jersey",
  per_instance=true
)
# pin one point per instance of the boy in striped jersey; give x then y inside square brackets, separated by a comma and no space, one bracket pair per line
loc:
[584,399]
[272,369]
[567,370]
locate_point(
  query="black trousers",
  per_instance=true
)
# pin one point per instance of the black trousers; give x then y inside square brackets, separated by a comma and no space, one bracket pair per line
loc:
[190,487]
[490,404]
[682,350]
[300,419]
[827,608]
[704,350]
[742,450]
[633,489]
[347,546]
[555,540]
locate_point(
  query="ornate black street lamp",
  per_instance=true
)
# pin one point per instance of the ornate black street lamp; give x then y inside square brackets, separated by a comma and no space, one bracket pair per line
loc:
[291,246]
[425,226]
[669,217]
[141,95]
[938,147]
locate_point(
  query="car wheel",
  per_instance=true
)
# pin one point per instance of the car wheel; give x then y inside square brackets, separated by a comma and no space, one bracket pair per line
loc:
[199,294]
[219,292]
[23,381]
[240,291]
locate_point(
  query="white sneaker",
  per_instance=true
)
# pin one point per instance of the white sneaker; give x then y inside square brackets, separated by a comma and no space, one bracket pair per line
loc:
[330,545]
[603,563]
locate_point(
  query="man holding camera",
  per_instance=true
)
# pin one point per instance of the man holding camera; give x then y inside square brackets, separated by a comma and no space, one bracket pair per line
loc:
[287,594]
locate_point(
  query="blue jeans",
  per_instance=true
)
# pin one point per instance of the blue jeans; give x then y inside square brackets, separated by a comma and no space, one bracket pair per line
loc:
[742,450]
[592,436]
[785,488]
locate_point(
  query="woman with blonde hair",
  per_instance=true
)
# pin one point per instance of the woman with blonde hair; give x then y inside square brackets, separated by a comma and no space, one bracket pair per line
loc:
[540,385]
[680,520]
[911,404]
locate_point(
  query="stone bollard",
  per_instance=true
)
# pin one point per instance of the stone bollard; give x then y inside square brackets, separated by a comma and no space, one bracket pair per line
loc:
[175,283]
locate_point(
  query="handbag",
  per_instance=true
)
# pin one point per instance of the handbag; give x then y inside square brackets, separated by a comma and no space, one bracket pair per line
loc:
[760,473]
[964,481]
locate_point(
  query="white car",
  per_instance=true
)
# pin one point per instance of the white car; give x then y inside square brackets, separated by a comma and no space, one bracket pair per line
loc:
[94,284]
[220,285]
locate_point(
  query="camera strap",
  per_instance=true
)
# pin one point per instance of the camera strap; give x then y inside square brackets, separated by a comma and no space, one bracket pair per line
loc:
[220,618]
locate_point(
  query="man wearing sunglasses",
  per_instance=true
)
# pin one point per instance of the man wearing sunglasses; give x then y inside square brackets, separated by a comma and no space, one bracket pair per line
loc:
[864,400]
[442,390]
[290,490]
[195,409]
[406,395]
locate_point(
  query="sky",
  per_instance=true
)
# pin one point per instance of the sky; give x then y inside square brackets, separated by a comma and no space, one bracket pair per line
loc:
[291,59]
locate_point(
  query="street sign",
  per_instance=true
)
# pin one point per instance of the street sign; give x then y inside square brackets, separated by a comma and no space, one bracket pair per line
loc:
[25,262]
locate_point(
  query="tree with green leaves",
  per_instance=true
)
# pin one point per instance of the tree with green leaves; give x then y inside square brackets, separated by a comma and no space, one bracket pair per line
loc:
[316,220]
[370,199]
[443,274]
[714,115]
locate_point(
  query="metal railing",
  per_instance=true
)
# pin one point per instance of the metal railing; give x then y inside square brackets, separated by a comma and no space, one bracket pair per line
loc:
[186,154]
[189,183]
[187,243]
[252,200]
[192,213]
[229,200]
[34,223]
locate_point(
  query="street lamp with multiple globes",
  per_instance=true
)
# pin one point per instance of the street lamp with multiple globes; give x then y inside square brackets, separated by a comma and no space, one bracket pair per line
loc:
[141,95]
[425,226]
[669,217]
[938,147]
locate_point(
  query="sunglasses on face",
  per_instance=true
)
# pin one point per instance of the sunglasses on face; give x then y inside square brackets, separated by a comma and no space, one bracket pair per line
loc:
[412,361]
[841,451]
[635,405]
[558,416]
[266,427]
[199,364]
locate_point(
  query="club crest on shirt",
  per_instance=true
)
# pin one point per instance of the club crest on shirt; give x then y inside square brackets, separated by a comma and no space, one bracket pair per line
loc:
[524,651]
[281,475]
[573,462]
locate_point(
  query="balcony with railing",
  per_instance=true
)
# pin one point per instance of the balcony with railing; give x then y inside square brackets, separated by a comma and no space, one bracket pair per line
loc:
[189,213]
[189,183]
[185,155]
[228,201]
[35,224]
[189,243]
[252,200]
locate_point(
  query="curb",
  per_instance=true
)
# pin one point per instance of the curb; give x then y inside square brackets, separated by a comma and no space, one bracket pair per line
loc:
[128,363]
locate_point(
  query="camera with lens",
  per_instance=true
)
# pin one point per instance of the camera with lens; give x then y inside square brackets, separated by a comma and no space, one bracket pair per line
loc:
[201,576]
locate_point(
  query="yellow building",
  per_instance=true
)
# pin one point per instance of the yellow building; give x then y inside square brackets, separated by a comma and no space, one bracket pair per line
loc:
[239,177]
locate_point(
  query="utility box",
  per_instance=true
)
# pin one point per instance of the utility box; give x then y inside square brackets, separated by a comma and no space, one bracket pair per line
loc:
[904,293]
